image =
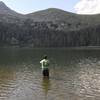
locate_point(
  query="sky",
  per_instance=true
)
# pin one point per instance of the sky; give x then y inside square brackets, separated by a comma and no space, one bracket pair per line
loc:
[87,7]
[28,6]
[75,6]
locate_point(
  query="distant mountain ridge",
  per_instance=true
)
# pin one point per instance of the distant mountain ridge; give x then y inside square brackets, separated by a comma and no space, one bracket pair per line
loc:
[49,14]
[48,28]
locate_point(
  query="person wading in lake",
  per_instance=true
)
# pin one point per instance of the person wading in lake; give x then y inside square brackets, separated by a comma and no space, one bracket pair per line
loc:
[44,64]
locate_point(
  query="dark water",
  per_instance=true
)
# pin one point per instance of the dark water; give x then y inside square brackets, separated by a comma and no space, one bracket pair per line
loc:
[74,74]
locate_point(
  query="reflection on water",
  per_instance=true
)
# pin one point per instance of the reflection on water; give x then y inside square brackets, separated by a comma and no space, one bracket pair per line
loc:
[46,85]
[74,74]
[87,84]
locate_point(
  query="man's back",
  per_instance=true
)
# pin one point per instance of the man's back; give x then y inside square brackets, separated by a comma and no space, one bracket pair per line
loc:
[44,63]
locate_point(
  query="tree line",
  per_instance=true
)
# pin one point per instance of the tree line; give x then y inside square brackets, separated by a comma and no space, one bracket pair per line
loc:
[47,34]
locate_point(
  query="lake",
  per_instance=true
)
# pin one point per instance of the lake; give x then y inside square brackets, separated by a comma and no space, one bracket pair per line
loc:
[74,74]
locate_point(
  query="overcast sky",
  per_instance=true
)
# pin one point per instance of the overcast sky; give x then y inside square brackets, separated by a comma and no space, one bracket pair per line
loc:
[76,6]
[88,6]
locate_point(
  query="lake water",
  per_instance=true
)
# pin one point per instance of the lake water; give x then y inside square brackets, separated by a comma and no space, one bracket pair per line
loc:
[74,74]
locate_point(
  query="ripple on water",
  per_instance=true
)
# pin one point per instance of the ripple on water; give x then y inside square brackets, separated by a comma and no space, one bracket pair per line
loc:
[87,83]
[80,81]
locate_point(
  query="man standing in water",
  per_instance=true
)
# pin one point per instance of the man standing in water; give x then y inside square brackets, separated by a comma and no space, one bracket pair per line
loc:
[44,65]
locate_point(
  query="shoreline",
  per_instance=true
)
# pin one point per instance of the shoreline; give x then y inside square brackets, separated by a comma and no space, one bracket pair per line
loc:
[72,48]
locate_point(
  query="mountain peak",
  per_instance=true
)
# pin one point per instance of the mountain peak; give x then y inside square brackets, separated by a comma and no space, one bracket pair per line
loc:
[3,6]
[50,14]
[5,10]
[1,2]
[54,9]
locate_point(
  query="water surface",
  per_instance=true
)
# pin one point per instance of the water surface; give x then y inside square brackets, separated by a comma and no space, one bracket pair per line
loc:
[74,74]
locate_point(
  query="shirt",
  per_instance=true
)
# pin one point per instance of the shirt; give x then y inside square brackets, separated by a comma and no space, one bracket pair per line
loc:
[44,63]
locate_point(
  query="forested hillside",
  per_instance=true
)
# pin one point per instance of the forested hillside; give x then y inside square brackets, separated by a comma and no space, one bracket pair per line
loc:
[48,28]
